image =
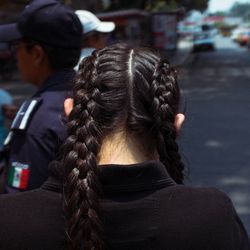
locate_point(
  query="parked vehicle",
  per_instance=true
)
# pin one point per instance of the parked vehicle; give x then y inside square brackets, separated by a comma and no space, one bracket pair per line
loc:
[244,38]
[248,44]
[204,39]
[235,34]
[241,36]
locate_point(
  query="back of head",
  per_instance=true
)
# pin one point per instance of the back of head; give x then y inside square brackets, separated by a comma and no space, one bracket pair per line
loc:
[117,88]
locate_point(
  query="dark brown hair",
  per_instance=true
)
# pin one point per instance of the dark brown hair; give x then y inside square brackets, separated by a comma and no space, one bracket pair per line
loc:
[116,87]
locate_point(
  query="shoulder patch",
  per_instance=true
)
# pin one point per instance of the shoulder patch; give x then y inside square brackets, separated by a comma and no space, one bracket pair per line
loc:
[18,175]
[24,114]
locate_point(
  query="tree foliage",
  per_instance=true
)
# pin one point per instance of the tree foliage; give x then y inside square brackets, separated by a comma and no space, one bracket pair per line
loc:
[195,4]
[240,9]
[158,4]
[128,4]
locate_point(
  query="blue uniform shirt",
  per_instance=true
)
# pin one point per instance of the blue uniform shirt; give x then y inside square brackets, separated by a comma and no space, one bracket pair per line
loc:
[38,131]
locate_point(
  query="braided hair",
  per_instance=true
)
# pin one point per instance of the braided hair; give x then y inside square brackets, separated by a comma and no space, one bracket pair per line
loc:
[117,87]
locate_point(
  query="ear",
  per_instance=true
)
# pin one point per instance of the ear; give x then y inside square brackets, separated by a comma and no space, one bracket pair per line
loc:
[68,106]
[38,54]
[179,120]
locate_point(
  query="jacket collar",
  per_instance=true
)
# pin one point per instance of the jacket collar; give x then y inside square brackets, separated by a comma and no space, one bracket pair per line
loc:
[150,175]
[136,177]
[58,79]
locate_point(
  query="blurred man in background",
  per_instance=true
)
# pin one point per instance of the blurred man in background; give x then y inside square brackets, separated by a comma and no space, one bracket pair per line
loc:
[95,32]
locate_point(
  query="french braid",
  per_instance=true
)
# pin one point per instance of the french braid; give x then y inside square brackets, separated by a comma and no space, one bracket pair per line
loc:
[82,187]
[165,96]
[156,97]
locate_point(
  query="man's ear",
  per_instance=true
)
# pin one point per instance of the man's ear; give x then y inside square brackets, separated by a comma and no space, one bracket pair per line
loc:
[38,54]
[68,106]
[179,120]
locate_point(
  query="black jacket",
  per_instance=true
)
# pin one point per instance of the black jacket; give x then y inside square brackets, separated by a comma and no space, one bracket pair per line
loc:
[142,209]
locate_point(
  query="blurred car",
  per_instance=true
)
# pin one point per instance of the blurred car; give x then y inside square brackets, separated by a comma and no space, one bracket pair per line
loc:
[235,34]
[204,39]
[241,36]
[248,44]
[244,38]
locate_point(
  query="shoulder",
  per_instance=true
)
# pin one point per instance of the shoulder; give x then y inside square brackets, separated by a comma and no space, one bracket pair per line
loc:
[201,193]
[58,92]
[25,202]
[208,201]
[199,207]
[26,218]
[52,106]
[49,107]
[203,216]
[206,214]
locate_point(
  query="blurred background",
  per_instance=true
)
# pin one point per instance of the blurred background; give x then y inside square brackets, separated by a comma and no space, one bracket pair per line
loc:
[209,43]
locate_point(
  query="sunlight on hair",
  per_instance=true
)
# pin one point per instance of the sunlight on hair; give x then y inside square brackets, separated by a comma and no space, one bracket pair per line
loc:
[130,64]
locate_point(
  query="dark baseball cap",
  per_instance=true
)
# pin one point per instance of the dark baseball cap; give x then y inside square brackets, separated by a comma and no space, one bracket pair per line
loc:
[46,21]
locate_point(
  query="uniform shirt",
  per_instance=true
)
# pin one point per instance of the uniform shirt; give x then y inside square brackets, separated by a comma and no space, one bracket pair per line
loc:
[38,131]
[84,53]
[142,209]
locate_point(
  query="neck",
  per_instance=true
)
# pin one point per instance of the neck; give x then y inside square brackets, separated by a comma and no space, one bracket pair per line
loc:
[122,149]
[40,82]
[41,74]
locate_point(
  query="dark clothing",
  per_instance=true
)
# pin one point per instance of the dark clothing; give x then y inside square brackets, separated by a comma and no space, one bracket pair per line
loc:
[142,209]
[38,131]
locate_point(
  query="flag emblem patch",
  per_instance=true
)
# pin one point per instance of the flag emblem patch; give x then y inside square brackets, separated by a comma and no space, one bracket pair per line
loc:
[19,175]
